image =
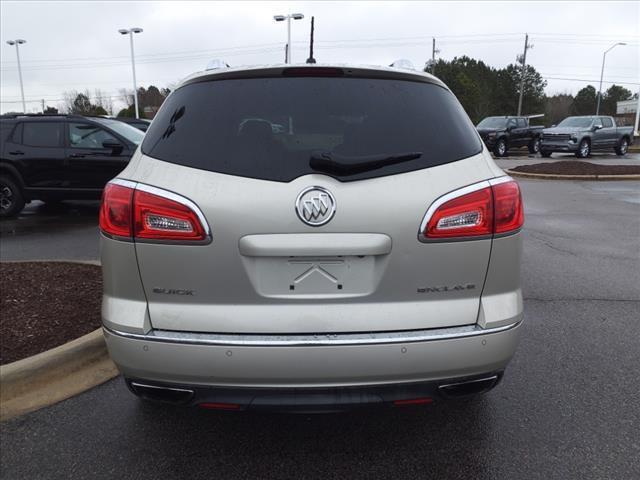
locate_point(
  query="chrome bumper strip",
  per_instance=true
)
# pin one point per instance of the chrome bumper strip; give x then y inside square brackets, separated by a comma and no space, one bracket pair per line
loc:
[296,340]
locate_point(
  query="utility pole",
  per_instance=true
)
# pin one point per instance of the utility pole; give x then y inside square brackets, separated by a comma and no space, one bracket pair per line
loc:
[43,106]
[636,132]
[524,71]
[434,50]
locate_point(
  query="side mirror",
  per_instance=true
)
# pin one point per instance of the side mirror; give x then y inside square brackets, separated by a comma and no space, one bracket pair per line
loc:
[114,145]
[596,127]
[553,126]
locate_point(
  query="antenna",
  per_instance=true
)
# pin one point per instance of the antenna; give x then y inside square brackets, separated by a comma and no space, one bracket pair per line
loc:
[311,59]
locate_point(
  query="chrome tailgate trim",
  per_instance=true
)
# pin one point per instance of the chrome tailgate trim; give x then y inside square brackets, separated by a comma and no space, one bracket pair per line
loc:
[295,340]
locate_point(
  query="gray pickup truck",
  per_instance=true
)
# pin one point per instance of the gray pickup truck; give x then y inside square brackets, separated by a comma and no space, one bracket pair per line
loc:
[582,135]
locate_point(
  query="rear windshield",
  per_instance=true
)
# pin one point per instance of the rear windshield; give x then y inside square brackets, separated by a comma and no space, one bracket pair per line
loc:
[269,128]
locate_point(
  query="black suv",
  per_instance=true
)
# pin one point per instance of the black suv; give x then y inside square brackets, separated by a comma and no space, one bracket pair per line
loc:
[60,157]
[139,123]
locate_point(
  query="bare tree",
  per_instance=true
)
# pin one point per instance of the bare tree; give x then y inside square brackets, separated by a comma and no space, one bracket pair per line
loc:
[102,99]
[126,96]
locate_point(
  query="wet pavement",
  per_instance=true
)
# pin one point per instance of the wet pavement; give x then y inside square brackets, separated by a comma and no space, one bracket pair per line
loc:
[68,230]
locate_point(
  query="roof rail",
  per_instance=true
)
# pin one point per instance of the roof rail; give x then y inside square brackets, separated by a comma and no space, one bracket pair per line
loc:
[16,115]
[216,63]
[403,63]
[42,115]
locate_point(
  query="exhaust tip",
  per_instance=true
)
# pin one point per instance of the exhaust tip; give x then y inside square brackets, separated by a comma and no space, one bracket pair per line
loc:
[176,396]
[469,387]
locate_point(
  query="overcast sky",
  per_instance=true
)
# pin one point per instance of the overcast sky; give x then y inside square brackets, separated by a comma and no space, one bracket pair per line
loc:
[75,45]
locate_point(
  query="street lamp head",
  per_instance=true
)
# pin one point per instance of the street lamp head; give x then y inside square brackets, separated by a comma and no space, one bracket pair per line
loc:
[279,18]
[621,43]
[297,16]
[11,42]
[123,31]
[20,41]
[136,30]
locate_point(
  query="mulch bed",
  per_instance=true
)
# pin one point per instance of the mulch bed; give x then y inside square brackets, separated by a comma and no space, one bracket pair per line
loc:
[575,167]
[46,304]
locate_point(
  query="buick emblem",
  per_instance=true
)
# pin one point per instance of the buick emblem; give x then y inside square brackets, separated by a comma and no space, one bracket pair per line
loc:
[315,206]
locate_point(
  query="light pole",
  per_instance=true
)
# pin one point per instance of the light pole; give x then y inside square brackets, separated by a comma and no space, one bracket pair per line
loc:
[604,55]
[282,18]
[130,32]
[17,43]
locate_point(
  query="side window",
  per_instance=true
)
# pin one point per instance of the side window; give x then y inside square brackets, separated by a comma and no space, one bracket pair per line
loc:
[511,123]
[86,135]
[522,123]
[40,134]
[17,134]
[597,122]
[607,122]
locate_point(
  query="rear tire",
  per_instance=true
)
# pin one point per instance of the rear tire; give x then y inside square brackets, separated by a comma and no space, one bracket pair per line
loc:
[623,147]
[11,197]
[500,150]
[545,154]
[584,149]
[534,145]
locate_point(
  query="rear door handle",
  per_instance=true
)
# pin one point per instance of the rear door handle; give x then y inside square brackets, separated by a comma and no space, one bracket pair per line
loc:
[16,152]
[76,155]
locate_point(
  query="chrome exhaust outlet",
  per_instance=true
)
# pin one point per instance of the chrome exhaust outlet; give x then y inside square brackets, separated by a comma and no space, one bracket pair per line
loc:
[469,387]
[176,396]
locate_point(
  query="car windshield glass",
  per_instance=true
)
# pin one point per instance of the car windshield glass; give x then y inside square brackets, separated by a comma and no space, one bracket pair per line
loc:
[132,134]
[271,128]
[580,122]
[493,122]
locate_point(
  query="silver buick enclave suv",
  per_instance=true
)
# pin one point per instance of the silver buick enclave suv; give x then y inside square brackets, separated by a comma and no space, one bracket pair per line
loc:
[311,238]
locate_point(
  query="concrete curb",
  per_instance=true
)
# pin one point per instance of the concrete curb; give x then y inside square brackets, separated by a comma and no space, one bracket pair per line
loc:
[552,176]
[54,375]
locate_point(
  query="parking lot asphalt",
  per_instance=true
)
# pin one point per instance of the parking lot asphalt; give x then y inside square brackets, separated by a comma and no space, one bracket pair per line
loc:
[68,230]
[567,408]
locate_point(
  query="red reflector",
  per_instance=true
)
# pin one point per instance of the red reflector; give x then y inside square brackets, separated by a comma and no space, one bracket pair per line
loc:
[115,210]
[313,72]
[220,406]
[413,401]
[509,212]
[469,215]
[160,218]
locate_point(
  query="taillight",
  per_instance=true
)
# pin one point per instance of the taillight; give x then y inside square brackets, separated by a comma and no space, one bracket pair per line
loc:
[116,210]
[150,214]
[509,212]
[481,210]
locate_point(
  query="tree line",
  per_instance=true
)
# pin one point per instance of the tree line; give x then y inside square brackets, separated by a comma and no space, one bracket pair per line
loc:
[98,103]
[487,91]
[483,91]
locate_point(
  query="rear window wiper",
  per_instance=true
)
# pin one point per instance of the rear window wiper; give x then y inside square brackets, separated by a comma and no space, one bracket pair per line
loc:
[344,165]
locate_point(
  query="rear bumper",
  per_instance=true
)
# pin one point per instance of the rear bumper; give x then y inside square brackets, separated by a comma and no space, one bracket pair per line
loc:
[318,399]
[289,364]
